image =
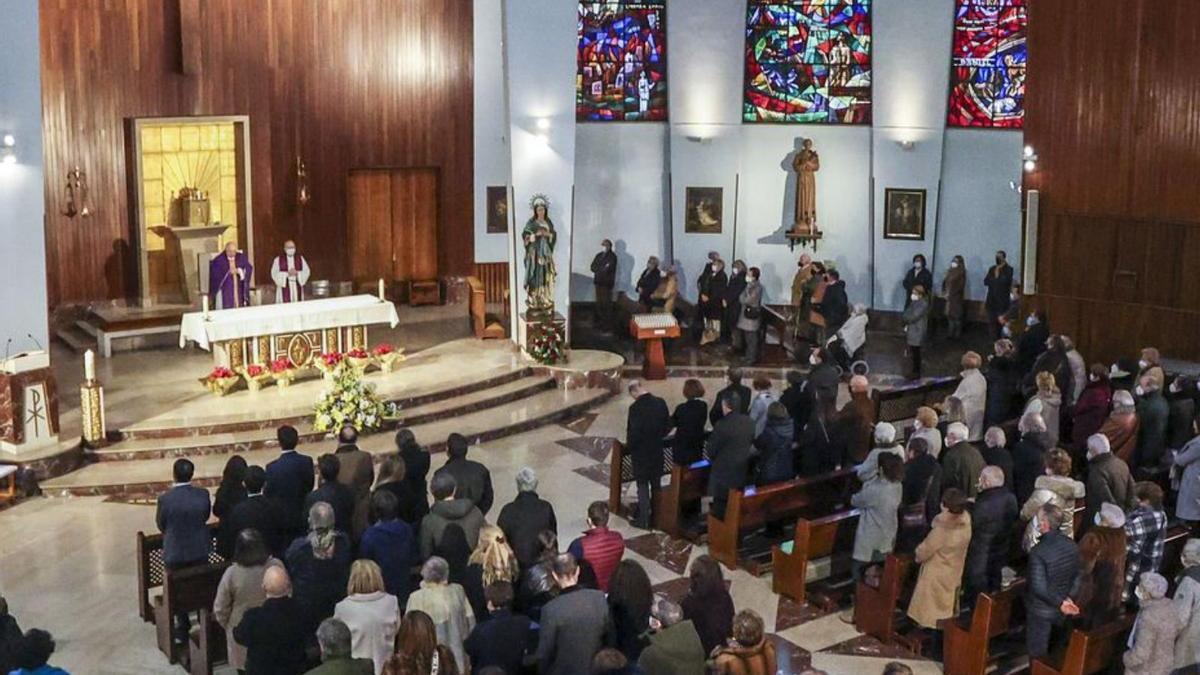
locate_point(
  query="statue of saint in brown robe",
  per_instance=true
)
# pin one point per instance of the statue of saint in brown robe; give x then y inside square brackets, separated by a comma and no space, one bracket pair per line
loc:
[807,163]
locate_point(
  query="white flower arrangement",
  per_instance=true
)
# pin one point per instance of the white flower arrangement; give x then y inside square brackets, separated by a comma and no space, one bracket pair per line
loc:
[350,402]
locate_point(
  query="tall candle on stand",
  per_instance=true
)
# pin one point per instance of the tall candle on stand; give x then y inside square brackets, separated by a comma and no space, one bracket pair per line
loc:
[381,296]
[204,304]
[89,366]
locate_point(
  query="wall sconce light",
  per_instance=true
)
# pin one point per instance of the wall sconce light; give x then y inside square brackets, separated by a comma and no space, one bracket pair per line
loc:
[1031,159]
[8,149]
[77,194]
[906,144]
[702,140]
[543,124]
[303,196]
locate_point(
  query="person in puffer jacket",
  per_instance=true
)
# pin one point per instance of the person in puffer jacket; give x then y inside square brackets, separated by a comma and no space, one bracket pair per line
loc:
[1055,487]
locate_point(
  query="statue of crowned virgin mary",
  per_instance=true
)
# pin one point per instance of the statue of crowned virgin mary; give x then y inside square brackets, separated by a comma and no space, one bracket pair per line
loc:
[539,237]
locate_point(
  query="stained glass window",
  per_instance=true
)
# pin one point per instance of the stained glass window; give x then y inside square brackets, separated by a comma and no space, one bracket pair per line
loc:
[622,62]
[987,75]
[808,61]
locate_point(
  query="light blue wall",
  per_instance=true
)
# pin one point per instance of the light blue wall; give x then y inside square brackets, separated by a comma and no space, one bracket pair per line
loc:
[492,163]
[23,302]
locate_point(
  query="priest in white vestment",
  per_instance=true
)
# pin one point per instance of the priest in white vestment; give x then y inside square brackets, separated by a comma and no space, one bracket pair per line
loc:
[289,272]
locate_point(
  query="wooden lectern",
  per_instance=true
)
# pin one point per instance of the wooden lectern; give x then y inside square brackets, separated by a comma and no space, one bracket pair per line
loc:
[651,329]
[28,403]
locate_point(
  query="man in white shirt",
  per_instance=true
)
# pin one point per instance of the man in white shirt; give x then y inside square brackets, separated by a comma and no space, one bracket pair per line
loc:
[289,272]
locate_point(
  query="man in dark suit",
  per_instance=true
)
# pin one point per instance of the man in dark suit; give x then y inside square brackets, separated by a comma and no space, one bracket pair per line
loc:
[648,422]
[734,375]
[473,479]
[835,306]
[573,625]
[525,517]
[182,517]
[275,633]
[1032,342]
[357,473]
[604,277]
[729,446]
[999,281]
[1054,576]
[416,471]
[503,639]
[823,379]
[289,480]
[648,283]
[260,513]
[333,493]
[992,518]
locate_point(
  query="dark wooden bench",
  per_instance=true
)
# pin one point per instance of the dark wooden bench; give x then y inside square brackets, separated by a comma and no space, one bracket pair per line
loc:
[689,484]
[486,326]
[968,638]
[206,645]
[778,503]
[1088,651]
[151,570]
[875,608]
[900,403]
[163,593]
[831,537]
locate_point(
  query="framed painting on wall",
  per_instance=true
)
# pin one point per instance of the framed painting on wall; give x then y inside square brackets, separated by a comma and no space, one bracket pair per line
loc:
[497,209]
[704,210]
[904,214]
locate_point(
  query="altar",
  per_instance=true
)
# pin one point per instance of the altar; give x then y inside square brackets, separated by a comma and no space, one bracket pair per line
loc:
[298,330]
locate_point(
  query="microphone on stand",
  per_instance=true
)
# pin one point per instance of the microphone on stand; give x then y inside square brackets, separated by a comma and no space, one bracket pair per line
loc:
[6,346]
[35,341]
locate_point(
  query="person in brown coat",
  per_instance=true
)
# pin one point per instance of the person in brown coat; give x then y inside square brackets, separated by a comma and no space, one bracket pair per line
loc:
[856,421]
[1102,562]
[356,472]
[1121,427]
[748,652]
[942,555]
[954,289]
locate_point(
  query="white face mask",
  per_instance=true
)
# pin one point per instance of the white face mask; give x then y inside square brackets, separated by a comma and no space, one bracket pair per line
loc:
[1175,387]
[914,297]
[1139,390]
[1143,363]
[954,264]
[918,265]
[290,251]
[1093,378]
[1031,321]
[814,360]
[916,425]
[1006,331]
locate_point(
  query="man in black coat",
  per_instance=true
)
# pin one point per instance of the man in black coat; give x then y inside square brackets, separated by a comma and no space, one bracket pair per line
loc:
[1053,577]
[647,425]
[999,281]
[525,517]
[289,480]
[604,277]
[504,638]
[260,513]
[416,470]
[735,386]
[711,285]
[835,306]
[921,491]
[473,479]
[995,453]
[182,517]
[823,379]
[729,447]
[275,633]
[1032,342]
[731,304]
[648,283]
[798,400]
[333,493]
[992,519]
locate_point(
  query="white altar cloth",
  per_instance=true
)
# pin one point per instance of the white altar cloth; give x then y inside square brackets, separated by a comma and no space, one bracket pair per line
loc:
[294,317]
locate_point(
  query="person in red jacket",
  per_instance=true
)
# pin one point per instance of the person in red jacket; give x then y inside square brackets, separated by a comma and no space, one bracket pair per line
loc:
[601,547]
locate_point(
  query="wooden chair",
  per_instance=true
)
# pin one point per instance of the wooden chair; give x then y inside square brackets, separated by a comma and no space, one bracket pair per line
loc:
[486,326]
[1088,651]
[814,539]
[875,608]
[968,638]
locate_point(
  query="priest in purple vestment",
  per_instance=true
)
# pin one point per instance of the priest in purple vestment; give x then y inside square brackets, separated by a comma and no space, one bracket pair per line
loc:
[229,278]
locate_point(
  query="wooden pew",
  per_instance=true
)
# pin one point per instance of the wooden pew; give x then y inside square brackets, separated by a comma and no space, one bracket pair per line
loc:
[754,507]
[190,589]
[875,608]
[151,571]
[207,647]
[1088,651]
[818,538]
[485,326]
[968,638]
[900,403]
[689,484]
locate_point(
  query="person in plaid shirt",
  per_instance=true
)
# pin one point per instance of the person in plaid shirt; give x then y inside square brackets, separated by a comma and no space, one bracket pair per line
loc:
[1145,530]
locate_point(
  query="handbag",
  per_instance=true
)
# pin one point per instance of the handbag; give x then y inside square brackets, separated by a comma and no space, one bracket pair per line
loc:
[751,312]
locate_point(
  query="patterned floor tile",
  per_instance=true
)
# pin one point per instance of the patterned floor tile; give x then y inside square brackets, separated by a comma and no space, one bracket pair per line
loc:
[596,472]
[581,424]
[865,645]
[596,447]
[791,613]
[672,554]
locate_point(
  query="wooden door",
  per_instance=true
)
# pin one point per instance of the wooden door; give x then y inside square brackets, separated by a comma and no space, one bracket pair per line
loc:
[393,223]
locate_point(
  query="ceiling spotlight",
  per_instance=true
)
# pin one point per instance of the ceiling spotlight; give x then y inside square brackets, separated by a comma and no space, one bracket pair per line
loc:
[1028,151]
[1030,165]
[9,140]
[906,144]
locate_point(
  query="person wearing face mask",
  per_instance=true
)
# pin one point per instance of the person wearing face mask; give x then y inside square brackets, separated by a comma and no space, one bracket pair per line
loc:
[648,283]
[1187,604]
[750,321]
[834,307]
[1091,409]
[954,290]
[1150,363]
[1079,371]
[803,284]
[1102,555]
[917,276]
[816,320]
[1121,427]
[731,307]
[1003,382]
[1152,412]
[290,272]
[1033,341]
[1182,411]
[916,325]
[1158,624]
[999,283]
[604,277]
[712,284]
[942,556]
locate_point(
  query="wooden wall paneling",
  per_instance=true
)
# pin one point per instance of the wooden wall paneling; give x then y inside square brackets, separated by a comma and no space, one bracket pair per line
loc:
[369,234]
[342,83]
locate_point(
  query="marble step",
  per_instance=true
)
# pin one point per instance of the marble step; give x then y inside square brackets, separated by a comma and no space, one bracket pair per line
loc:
[269,410]
[151,476]
[224,442]
[76,338]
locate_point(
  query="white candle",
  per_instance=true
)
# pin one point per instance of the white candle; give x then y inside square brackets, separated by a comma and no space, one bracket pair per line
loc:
[382,298]
[204,303]
[89,366]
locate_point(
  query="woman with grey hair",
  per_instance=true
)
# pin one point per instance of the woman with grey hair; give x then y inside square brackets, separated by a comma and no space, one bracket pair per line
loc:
[319,564]
[1152,643]
[1187,606]
[334,639]
[446,604]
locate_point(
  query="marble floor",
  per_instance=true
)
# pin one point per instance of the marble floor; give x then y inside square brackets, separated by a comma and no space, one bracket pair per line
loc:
[67,563]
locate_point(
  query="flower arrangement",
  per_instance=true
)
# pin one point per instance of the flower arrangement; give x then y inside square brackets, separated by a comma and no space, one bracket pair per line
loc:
[359,359]
[350,401]
[220,380]
[547,343]
[328,363]
[284,372]
[255,375]
[387,356]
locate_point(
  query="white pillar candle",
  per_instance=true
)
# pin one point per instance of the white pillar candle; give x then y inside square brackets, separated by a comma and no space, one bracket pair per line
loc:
[382,298]
[204,303]
[89,366]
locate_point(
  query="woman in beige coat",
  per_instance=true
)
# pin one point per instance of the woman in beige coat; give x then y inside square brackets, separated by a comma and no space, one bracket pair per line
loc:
[941,557]
[241,589]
